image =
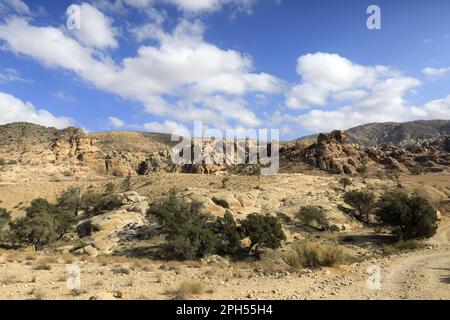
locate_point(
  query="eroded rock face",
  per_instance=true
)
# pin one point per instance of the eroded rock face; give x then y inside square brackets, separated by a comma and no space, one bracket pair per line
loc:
[333,153]
[76,147]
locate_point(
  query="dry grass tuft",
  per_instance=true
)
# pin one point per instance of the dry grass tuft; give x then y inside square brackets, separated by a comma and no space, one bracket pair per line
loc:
[305,254]
[38,293]
[121,270]
[187,289]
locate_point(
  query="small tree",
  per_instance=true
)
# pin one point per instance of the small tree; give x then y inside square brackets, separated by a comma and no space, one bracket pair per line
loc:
[43,224]
[38,230]
[70,200]
[228,233]
[345,183]
[188,230]
[362,201]
[5,218]
[313,216]
[263,231]
[394,175]
[63,220]
[410,217]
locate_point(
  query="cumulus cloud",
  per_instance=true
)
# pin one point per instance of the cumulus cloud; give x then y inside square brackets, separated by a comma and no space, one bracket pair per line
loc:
[17,6]
[435,73]
[360,93]
[116,122]
[11,75]
[13,109]
[182,65]
[96,30]
[187,6]
[165,127]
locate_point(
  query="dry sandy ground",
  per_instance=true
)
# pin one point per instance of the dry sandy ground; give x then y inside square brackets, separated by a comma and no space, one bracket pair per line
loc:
[417,275]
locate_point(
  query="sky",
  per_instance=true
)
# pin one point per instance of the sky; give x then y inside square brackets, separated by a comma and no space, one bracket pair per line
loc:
[301,66]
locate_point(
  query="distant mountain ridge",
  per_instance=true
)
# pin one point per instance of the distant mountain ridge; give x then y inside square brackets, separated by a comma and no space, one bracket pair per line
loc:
[400,134]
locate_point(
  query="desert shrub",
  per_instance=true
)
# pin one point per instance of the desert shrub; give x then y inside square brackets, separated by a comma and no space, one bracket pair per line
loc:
[345,183]
[43,224]
[394,175]
[110,187]
[38,230]
[187,289]
[86,229]
[5,218]
[313,216]
[362,201]
[305,254]
[228,233]
[63,220]
[263,231]
[2,161]
[410,217]
[70,200]
[94,203]
[188,230]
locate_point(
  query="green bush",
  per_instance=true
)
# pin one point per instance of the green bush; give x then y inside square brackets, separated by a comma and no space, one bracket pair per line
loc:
[94,203]
[305,254]
[362,201]
[263,231]
[228,233]
[410,217]
[43,224]
[188,230]
[192,234]
[70,200]
[63,220]
[5,218]
[38,230]
[313,216]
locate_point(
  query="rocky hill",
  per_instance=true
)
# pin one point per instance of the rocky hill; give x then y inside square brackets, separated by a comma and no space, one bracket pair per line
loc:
[399,134]
[28,150]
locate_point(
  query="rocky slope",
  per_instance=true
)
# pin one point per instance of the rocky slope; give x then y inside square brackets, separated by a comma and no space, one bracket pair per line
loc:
[335,153]
[28,150]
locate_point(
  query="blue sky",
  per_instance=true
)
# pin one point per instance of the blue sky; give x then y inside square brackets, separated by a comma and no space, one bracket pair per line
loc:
[159,65]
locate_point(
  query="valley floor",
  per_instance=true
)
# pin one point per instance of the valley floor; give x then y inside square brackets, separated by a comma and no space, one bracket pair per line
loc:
[423,274]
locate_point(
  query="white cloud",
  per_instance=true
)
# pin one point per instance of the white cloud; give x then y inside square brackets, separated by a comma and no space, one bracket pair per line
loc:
[325,75]
[165,127]
[96,30]
[187,6]
[17,6]
[195,6]
[61,95]
[116,122]
[11,75]
[360,94]
[435,73]
[437,109]
[13,109]
[183,66]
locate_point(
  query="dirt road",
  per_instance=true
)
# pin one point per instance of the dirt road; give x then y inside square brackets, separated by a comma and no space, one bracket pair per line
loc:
[417,275]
